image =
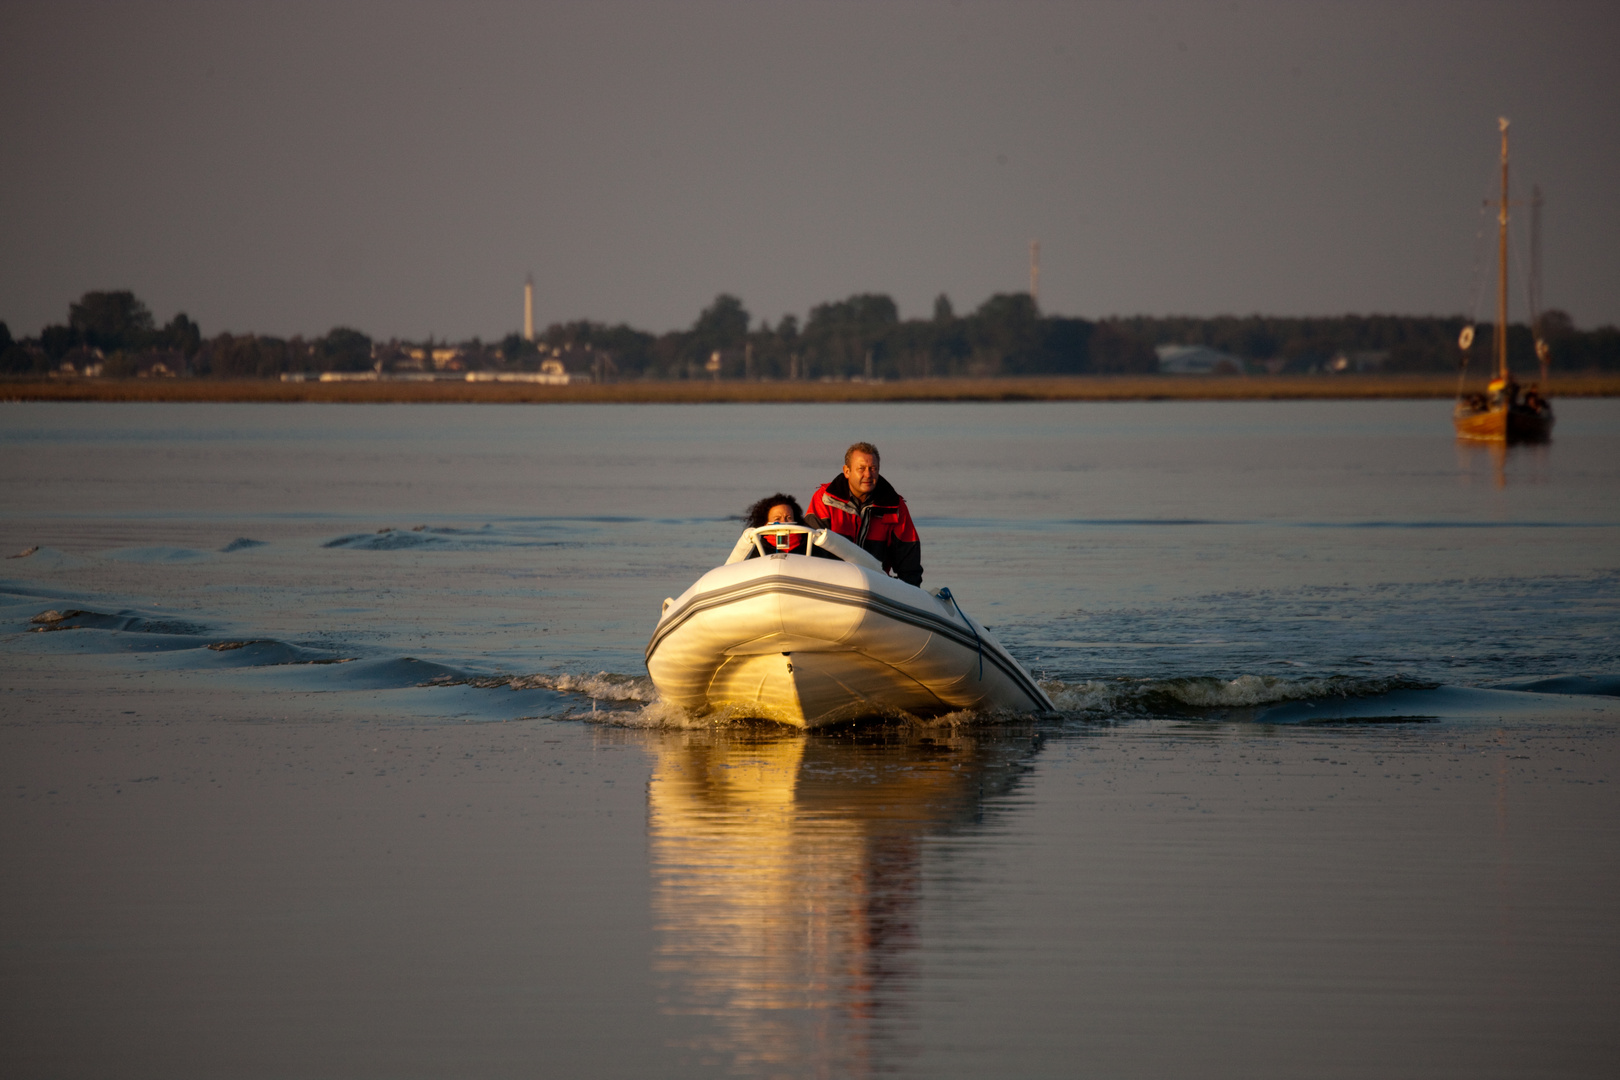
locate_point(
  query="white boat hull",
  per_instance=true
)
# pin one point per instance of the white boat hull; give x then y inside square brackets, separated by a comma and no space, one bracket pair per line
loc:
[812,642]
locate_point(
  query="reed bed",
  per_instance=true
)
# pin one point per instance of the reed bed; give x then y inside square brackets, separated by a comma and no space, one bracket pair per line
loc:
[1032,388]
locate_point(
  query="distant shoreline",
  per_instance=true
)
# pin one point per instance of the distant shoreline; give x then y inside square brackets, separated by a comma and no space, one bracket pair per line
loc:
[1028,388]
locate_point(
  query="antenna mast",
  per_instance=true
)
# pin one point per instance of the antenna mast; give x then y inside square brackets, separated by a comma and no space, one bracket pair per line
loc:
[1537,330]
[1035,271]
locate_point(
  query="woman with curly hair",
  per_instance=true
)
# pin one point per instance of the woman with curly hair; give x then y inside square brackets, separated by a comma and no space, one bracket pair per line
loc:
[778,509]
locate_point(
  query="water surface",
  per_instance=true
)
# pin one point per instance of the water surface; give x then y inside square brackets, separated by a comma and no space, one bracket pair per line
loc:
[337,755]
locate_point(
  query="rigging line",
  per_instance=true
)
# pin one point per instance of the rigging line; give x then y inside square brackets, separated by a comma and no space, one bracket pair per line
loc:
[1479,264]
[1516,259]
[1487,223]
[945,594]
[1478,291]
[1462,373]
[1533,278]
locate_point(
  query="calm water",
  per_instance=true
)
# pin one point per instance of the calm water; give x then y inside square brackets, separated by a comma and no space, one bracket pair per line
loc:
[1332,791]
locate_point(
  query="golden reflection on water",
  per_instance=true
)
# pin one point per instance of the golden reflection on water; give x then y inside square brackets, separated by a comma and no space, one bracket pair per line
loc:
[1476,457]
[786,879]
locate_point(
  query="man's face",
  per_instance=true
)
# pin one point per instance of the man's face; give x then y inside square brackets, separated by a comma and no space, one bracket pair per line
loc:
[862,474]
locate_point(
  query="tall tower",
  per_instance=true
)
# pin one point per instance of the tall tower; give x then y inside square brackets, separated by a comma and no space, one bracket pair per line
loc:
[528,308]
[1035,271]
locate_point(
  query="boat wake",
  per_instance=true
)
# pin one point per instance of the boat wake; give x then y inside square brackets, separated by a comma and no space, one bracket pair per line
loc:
[1198,694]
[1090,701]
[631,701]
[446,689]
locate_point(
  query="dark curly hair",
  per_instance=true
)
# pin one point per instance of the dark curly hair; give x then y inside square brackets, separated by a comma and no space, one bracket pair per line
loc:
[761,510]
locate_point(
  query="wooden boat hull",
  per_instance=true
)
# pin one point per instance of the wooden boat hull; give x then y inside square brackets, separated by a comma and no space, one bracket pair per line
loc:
[1511,425]
[812,642]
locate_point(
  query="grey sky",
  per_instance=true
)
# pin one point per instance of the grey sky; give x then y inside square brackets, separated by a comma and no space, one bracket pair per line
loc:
[399,167]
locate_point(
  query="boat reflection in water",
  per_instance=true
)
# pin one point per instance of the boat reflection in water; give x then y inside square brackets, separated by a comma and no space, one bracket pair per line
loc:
[787,875]
[1475,458]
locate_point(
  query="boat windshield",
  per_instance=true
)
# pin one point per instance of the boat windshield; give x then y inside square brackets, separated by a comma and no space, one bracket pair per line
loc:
[822,542]
[779,537]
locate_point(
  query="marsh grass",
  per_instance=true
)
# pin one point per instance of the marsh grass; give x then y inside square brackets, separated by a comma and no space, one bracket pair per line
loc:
[1032,388]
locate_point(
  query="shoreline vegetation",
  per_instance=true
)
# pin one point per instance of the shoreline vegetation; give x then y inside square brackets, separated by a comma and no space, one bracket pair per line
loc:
[696,391]
[856,349]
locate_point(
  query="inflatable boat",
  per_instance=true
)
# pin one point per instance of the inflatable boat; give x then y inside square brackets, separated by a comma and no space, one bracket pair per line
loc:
[820,635]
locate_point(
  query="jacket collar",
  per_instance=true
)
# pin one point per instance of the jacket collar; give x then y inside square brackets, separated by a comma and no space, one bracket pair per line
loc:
[883,494]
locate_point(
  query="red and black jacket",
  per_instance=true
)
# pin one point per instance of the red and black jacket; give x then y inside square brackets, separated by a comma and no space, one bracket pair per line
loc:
[882,524]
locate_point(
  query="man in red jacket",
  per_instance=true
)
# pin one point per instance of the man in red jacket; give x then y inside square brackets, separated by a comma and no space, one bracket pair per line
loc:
[864,507]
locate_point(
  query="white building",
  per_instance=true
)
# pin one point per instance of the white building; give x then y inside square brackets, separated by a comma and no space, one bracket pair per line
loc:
[1363,361]
[1197,360]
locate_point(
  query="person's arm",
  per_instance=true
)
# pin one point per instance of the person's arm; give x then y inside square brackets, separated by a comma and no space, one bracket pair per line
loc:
[905,549]
[818,516]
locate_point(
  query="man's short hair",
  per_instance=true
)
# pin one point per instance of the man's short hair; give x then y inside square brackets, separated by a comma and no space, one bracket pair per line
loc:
[863,448]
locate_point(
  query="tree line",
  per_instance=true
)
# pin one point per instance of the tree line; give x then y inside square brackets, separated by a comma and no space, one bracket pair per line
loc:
[860,337]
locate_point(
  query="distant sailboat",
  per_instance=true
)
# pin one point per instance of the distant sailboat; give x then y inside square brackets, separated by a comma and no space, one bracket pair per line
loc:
[1501,414]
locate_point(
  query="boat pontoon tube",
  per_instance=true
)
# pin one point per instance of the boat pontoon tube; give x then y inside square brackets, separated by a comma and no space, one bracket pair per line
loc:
[812,641]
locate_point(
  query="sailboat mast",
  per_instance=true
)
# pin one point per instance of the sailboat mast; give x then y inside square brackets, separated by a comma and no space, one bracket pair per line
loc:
[1501,261]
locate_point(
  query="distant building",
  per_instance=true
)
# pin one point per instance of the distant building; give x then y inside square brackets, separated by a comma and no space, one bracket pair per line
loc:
[1197,360]
[1365,360]
[80,361]
[401,357]
[89,368]
[551,373]
[160,363]
[397,357]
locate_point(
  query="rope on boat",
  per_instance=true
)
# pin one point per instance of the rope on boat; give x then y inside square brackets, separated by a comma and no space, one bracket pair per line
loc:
[1478,290]
[945,594]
